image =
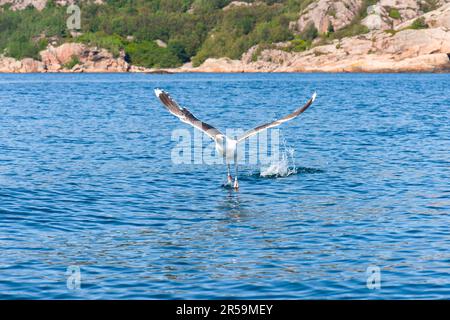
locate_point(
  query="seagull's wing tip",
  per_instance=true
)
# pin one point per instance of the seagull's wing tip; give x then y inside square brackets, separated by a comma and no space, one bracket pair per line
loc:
[158,92]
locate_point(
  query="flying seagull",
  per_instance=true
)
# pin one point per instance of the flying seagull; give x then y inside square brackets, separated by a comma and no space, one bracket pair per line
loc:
[225,146]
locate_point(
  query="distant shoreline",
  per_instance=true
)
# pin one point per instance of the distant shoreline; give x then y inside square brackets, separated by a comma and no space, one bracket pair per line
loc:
[242,72]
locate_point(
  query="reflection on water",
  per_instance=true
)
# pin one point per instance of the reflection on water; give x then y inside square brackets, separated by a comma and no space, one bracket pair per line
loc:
[233,206]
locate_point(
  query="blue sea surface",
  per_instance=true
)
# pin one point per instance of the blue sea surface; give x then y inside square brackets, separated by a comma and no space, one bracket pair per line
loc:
[87,181]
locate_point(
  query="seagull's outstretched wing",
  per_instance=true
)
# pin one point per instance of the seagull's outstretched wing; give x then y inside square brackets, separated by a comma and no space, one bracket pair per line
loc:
[275,123]
[185,115]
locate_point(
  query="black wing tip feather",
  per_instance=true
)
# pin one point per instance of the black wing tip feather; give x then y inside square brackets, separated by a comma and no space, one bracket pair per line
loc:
[307,105]
[159,92]
[165,98]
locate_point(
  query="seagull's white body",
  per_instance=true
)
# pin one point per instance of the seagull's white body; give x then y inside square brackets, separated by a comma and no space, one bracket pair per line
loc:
[225,146]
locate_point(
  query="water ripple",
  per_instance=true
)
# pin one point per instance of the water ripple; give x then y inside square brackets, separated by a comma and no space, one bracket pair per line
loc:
[86,179]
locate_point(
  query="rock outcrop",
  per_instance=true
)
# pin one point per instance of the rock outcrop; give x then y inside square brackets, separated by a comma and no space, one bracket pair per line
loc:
[54,58]
[377,18]
[69,57]
[87,59]
[20,66]
[22,4]
[383,15]
[38,4]
[390,14]
[240,4]
[325,12]
[403,50]
[434,19]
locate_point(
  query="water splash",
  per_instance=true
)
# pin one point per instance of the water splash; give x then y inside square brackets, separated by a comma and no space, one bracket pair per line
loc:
[283,167]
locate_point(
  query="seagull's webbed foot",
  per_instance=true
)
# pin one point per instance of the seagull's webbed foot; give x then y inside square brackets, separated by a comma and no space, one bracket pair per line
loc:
[229,182]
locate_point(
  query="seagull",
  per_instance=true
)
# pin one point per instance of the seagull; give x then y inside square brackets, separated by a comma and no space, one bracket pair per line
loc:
[225,146]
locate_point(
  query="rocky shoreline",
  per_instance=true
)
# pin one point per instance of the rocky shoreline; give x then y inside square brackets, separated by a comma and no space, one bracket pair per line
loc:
[402,49]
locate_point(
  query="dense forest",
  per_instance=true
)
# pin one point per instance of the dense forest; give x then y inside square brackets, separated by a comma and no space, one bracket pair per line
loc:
[192,29]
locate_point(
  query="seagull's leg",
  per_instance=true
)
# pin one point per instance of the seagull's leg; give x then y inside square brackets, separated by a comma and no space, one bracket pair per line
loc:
[236,184]
[229,177]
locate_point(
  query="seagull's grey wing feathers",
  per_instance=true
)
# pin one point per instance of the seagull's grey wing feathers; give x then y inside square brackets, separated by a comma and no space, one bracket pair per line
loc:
[185,115]
[276,123]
